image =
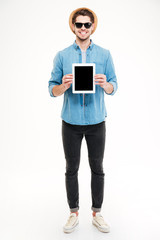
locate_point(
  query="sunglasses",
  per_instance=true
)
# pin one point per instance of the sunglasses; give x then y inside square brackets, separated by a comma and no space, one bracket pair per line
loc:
[87,24]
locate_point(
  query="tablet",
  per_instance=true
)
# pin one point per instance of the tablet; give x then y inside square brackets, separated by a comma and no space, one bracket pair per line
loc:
[83,77]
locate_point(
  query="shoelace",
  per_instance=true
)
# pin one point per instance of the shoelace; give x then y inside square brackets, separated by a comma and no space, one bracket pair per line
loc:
[71,220]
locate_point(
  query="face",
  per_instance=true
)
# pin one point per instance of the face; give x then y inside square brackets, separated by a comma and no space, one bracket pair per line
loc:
[83,33]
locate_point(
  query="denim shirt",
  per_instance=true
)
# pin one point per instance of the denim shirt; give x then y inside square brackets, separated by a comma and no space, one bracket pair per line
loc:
[77,109]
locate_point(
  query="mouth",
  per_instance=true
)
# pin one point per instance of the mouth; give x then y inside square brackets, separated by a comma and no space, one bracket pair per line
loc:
[83,33]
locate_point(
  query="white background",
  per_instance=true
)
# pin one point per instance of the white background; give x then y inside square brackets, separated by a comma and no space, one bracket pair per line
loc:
[33,201]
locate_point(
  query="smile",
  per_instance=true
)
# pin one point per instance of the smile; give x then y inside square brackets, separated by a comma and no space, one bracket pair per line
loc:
[83,33]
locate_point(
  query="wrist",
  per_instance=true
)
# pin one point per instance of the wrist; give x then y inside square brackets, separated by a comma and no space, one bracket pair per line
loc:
[64,86]
[105,85]
[109,88]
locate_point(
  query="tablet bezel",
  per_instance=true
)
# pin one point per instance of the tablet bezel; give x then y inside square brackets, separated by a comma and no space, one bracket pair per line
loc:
[73,72]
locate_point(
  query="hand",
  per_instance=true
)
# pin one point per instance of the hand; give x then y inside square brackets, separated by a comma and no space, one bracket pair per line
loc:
[67,80]
[100,79]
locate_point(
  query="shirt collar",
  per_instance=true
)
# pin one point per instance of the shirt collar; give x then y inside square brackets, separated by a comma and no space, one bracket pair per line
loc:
[90,46]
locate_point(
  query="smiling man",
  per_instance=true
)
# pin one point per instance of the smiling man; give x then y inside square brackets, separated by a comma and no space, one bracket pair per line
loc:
[83,115]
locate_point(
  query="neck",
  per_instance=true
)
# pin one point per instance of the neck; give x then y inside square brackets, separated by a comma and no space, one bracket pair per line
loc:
[83,44]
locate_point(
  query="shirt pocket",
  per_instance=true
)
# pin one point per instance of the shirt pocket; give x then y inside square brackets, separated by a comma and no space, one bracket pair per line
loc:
[67,70]
[99,67]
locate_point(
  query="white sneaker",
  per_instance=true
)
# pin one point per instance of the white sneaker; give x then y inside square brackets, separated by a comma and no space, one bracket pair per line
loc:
[99,222]
[72,222]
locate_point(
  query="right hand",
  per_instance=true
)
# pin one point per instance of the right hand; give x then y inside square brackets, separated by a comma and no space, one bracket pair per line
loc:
[67,80]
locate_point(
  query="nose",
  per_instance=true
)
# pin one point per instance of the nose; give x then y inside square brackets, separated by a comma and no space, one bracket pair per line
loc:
[83,27]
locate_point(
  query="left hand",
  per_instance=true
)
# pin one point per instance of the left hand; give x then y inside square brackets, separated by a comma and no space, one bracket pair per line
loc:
[100,79]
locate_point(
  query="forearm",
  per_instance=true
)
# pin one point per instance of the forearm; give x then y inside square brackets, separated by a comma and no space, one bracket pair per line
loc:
[108,88]
[58,90]
[66,83]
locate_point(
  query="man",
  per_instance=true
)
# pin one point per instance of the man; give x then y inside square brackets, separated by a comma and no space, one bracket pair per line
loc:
[83,114]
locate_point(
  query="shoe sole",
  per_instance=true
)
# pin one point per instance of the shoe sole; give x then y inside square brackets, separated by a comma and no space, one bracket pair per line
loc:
[99,228]
[65,230]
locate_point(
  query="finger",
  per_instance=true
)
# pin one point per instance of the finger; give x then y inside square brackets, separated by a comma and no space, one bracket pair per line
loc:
[67,81]
[68,78]
[99,77]
[100,80]
[68,75]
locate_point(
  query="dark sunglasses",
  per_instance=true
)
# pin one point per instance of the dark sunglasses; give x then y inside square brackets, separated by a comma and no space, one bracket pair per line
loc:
[79,24]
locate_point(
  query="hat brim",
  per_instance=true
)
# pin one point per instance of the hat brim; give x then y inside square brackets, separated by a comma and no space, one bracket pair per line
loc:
[78,9]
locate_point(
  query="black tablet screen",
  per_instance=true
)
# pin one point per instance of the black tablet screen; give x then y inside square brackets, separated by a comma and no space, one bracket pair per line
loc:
[83,78]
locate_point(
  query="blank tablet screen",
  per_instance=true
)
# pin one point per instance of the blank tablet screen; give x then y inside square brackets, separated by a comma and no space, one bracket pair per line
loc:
[83,78]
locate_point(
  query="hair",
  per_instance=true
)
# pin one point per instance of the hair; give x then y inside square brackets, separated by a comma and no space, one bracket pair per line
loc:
[83,12]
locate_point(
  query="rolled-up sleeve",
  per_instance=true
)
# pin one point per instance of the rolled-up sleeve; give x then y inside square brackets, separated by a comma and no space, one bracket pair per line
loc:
[110,74]
[56,74]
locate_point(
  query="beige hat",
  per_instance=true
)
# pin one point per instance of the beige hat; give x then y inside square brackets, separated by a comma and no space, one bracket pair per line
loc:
[78,9]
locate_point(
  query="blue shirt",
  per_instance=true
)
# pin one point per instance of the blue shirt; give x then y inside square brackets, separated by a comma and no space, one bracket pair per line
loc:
[78,109]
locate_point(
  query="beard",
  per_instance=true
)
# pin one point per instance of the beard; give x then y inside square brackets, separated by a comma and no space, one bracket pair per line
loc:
[83,39]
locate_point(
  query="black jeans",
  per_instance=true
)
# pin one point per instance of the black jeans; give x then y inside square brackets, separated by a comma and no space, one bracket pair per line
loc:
[72,136]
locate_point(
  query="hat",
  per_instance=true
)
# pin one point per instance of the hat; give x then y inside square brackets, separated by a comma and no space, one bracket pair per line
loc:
[78,9]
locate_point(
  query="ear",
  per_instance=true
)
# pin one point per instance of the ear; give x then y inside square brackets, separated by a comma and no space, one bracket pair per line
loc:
[93,27]
[73,27]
